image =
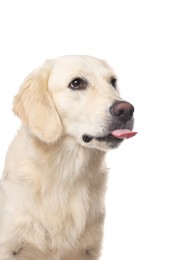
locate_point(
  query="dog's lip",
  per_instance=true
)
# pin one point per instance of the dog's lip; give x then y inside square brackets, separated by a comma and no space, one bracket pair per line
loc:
[116,135]
[107,138]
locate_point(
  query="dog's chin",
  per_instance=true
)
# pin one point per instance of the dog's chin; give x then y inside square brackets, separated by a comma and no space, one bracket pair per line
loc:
[101,142]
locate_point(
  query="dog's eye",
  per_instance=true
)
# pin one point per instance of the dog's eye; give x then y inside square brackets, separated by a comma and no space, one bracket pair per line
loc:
[78,84]
[113,82]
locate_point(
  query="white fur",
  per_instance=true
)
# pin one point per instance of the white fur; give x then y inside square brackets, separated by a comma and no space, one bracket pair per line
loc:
[53,186]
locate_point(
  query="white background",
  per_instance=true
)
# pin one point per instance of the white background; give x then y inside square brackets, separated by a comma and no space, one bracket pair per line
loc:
[151,45]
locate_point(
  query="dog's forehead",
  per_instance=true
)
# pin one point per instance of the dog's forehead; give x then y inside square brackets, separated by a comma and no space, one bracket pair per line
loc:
[80,65]
[81,61]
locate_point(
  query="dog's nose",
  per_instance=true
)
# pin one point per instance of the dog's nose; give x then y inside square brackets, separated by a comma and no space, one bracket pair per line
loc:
[122,110]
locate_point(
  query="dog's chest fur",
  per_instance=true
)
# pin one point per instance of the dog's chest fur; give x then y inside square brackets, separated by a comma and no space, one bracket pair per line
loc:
[65,190]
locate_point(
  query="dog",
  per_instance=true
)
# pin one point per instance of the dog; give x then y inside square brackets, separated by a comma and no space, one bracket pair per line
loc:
[54,180]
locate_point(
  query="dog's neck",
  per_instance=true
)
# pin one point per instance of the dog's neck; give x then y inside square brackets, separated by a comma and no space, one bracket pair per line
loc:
[68,159]
[52,165]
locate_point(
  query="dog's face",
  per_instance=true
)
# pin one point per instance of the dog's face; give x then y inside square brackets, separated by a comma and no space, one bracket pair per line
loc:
[75,96]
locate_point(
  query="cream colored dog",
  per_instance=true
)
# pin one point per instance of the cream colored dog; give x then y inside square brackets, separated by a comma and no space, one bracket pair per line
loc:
[54,180]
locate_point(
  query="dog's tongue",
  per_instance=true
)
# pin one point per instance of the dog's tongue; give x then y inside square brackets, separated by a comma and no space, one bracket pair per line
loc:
[123,133]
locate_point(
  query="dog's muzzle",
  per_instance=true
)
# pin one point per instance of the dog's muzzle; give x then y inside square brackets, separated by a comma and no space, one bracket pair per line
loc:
[122,113]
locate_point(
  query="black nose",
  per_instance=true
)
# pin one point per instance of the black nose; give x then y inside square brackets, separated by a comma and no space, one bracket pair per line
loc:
[122,110]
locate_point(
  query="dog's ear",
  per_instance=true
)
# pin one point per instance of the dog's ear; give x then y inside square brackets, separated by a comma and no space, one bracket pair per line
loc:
[35,107]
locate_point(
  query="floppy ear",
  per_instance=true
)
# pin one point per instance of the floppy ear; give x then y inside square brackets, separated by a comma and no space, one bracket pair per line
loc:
[35,107]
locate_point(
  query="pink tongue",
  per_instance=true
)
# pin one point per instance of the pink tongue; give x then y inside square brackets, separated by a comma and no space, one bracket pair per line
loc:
[123,133]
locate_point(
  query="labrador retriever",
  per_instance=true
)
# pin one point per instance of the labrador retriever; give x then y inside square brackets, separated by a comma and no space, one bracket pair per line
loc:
[54,181]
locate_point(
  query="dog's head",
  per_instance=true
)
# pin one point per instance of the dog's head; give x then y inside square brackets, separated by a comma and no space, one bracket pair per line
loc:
[75,96]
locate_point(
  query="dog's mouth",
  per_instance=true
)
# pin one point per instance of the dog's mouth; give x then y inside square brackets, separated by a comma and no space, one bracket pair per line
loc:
[115,136]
